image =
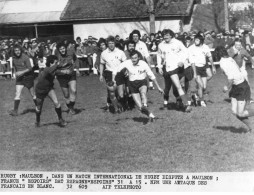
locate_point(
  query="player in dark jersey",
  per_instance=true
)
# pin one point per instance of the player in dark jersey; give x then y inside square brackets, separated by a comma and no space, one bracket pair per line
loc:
[24,76]
[66,75]
[45,88]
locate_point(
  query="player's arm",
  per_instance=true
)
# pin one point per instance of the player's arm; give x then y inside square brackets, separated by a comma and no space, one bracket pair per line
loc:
[102,64]
[183,53]
[210,58]
[28,68]
[76,64]
[248,56]
[228,86]
[153,78]
[159,60]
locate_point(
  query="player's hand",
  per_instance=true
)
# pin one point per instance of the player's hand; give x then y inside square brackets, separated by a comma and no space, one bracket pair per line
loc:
[68,71]
[195,76]
[214,70]
[101,78]
[77,73]
[225,89]
[180,64]
[18,74]
[161,71]
[161,90]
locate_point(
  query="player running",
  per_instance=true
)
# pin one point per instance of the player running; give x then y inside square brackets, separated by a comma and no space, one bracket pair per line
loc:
[197,56]
[172,54]
[24,77]
[138,70]
[45,88]
[111,58]
[238,87]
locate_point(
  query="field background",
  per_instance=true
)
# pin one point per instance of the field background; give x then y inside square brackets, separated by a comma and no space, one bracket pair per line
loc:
[205,140]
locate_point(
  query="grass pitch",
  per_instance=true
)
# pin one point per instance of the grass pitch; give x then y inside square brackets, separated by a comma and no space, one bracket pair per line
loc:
[205,140]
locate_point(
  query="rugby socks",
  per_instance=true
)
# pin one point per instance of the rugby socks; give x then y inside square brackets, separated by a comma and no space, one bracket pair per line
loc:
[16,105]
[35,102]
[108,100]
[115,103]
[59,112]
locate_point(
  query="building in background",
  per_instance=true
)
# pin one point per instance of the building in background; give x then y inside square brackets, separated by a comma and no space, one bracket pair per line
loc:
[33,18]
[119,17]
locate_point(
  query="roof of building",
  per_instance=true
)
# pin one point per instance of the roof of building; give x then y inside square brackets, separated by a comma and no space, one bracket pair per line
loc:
[116,9]
[30,11]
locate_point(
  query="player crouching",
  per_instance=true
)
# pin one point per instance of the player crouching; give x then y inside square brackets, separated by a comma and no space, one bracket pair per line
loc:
[238,86]
[45,88]
[138,70]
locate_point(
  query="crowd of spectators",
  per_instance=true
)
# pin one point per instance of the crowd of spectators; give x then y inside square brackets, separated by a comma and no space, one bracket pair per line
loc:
[85,50]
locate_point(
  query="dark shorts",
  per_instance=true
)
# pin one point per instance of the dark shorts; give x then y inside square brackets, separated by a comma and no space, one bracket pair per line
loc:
[120,78]
[170,73]
[27,81]
[107,76]
[240,92]
[41,95]
[201,71]
[189,73]
[135,85]
[65,79]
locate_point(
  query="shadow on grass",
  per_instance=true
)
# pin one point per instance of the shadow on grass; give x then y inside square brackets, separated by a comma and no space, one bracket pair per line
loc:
[77,110]
[28,110]
[232,129]
[143,120]
[228,100]
[172,106]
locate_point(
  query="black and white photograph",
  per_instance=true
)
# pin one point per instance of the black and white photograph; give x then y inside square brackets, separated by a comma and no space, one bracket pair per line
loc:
[127,95]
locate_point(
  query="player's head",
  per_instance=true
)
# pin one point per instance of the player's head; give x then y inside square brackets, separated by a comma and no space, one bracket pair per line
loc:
[17,50]
[51,60]
[111,42]
[198,40]
[220,52]
[134,57]
[102,44]
[135,36]
[131,45]
[62,48]
[168,35]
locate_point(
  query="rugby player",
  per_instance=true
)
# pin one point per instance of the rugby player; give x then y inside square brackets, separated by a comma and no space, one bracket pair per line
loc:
[110,59]
[238,87]
[24,77]
[66,75]
[197,56]
[142,48]
[44,88]
[172,54]
[138,70]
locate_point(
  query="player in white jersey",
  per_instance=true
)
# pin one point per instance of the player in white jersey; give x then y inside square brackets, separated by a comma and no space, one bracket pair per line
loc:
[142,48]
[238,87]
[138,70]
[111,58]
[172,54]
[197,56]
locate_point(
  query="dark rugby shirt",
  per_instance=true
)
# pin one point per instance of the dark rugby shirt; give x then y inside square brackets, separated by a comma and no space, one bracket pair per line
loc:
[21,63]
[46,80]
